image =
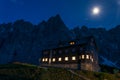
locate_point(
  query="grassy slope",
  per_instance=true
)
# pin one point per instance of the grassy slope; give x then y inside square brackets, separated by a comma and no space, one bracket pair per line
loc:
[30,72]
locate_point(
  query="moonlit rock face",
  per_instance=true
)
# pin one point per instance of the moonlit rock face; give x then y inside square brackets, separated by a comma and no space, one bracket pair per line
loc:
[96,10]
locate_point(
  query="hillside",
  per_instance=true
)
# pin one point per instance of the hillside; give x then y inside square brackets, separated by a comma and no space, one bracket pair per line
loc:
[31,72]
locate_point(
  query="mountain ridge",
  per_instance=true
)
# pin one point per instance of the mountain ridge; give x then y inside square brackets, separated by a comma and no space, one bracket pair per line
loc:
[22,41]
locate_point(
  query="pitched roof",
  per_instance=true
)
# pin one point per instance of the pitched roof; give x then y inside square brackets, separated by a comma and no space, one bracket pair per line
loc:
[82,40]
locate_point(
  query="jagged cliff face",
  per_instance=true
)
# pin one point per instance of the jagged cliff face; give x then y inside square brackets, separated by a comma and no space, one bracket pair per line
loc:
[23,41]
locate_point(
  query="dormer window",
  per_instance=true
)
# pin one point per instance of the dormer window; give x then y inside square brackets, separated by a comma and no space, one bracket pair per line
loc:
[72,43]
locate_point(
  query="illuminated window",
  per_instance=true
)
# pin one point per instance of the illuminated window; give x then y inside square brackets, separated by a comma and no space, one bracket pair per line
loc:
[87,56]
[83,56]
[46,59]
[43,59]
[92,59]
[49,60]
[59,59]
[66,58]
[73,58]
[53,59]
[72,43]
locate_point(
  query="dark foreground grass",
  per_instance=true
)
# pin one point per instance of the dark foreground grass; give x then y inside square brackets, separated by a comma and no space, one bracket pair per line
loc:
[31,72]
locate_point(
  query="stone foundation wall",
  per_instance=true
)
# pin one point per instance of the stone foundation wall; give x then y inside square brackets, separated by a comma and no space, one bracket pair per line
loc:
[82,66]
[71,66]
[86,66]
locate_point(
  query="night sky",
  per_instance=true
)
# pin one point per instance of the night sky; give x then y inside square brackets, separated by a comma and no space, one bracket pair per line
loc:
[73,12]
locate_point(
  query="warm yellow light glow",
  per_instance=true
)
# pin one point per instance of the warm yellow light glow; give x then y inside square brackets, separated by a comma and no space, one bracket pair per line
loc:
[92,59]
[73,58]
[83,56]
[53,59]
[59,59]
[72,43]
[46,59]
[87,56]
[66,58]
[43,59]
[49,60]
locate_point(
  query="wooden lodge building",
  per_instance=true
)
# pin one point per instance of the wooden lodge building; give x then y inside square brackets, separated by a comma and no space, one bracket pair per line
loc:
[76,54]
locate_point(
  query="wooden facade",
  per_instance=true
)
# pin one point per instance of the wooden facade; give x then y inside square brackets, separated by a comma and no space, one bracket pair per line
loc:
[74,55]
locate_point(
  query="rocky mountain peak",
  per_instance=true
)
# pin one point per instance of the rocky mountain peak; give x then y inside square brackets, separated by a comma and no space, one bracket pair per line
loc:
[56,21]
[28,40]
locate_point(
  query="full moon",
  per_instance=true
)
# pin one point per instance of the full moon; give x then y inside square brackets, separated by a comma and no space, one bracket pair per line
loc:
[96,10]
